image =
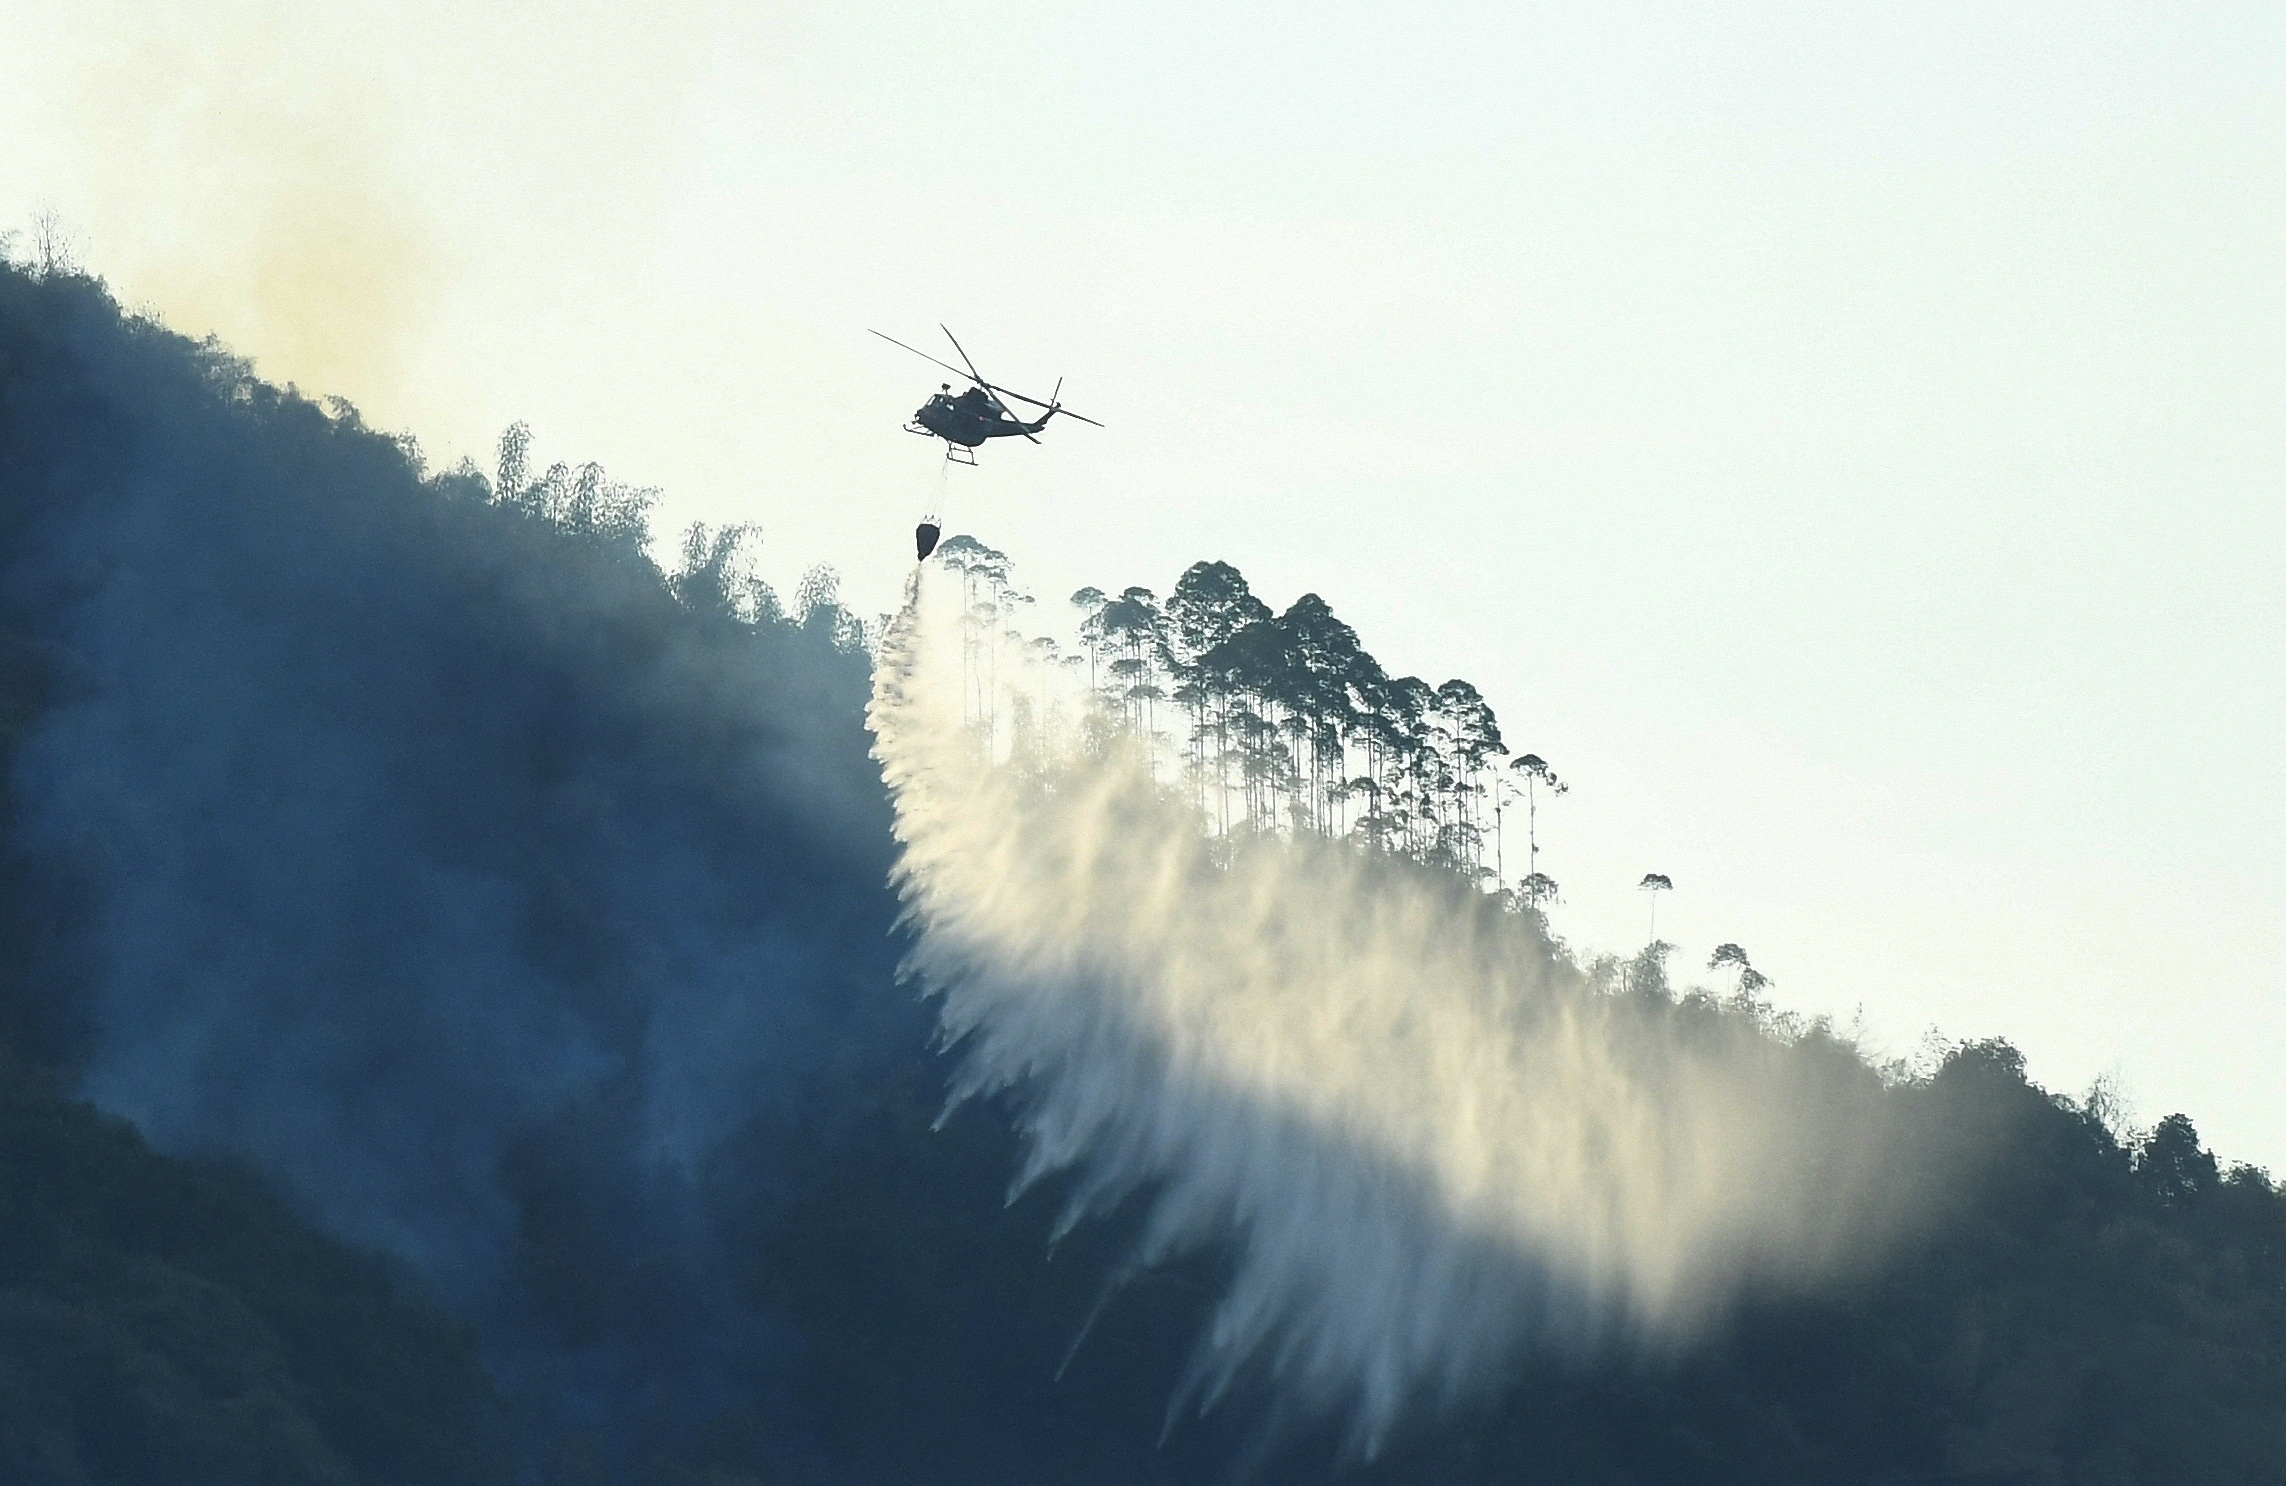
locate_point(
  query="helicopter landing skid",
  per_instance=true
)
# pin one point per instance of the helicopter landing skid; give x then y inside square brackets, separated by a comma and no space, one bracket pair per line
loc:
[954,453]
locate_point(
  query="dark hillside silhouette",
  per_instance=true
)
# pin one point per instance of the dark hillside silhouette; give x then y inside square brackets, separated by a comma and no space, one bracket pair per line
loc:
[476,922]
[168,1322]
[412,840]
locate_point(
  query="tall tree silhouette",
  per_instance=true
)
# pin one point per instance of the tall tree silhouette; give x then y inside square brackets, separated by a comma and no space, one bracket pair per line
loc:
[1135,629]
[1533,772]
[1090,601]
[1655,883]
[1323,692]
[1751,982]
[1210,604]
[1469,739]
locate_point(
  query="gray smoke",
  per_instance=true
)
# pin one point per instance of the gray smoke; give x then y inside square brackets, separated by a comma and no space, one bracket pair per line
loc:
[410,841]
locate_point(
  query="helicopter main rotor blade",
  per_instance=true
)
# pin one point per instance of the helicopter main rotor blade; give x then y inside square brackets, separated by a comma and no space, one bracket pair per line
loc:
[1035,402]
[990,390]
[1054,404]
[925,356]
[971,374]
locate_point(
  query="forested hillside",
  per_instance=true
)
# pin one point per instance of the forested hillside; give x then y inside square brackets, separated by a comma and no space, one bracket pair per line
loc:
[164,1321]
[449,1032]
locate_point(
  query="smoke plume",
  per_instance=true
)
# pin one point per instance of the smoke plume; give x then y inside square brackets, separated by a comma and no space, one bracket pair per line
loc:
[242,188]
[414,843]
[1428,1141]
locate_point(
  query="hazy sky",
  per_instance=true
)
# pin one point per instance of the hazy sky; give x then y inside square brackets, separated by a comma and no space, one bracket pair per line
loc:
[1846,440]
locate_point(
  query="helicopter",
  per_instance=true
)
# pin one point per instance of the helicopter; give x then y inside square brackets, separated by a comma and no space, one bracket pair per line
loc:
[966,419]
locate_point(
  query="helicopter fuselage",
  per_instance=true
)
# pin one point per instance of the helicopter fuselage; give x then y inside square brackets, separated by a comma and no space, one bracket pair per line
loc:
[944,417]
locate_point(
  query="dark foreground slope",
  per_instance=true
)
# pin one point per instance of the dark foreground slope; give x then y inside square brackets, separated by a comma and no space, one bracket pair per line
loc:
[413,842]
[518,914]
[170,1322]
[507,919]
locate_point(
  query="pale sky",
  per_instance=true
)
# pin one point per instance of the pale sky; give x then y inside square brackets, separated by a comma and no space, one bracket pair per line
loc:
[1846,440]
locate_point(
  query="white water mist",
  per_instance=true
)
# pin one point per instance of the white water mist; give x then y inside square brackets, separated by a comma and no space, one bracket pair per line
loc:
[1429,1143]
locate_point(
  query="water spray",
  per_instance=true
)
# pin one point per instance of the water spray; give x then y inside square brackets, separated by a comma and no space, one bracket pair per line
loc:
[1427,1143]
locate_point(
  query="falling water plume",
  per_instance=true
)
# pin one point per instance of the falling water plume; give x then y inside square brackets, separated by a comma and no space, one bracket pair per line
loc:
[1427,1142]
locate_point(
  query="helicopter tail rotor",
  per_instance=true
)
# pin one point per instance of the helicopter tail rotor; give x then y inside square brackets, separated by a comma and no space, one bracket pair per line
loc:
[1054,404]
